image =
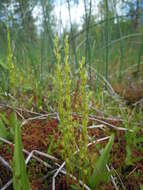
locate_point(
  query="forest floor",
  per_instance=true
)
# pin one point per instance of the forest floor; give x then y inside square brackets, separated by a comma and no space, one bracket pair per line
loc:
[40,133]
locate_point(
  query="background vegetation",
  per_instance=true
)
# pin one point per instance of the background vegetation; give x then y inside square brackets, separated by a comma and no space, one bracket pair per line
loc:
[110,39]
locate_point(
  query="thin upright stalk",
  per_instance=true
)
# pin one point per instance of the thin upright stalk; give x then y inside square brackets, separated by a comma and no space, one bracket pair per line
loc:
[71,30]
[107,39]
[87,44]
[121,42]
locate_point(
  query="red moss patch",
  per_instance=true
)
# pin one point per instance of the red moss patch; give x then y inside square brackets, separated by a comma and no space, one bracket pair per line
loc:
[35,134]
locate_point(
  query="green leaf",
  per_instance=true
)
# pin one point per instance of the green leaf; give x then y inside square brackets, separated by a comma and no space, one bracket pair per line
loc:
[20,179]
[139,140]
[100,173]
[12,122]
[4,66]
[128,160]
[4,119]
[74,187]
[3,131]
